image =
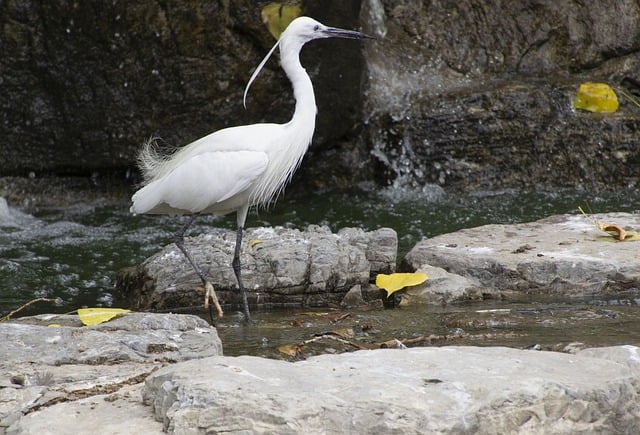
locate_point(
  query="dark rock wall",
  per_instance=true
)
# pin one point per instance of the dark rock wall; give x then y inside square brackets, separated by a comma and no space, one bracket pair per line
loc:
[478,94]
[464,94]
[84,83]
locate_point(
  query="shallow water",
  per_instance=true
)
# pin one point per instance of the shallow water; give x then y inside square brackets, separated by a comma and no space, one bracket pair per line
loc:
[539,324]
[74,252]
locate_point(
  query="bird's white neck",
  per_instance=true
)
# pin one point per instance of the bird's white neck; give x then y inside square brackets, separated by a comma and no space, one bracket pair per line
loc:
[304,116]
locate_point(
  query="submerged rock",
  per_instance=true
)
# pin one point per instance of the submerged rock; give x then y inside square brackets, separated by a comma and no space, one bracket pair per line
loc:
[434,390]
[564,255]
[280,267]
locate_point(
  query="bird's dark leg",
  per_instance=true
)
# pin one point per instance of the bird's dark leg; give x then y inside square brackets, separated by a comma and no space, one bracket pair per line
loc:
[179,241]
[208,287]
[237,270]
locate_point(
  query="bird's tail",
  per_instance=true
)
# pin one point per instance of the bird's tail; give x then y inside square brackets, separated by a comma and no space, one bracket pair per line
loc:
[153,156]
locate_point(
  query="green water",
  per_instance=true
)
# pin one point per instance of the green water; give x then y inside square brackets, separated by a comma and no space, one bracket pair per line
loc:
[73,253]
[540,324]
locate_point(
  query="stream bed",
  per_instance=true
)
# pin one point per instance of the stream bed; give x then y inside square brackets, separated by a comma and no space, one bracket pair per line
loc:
[71,252]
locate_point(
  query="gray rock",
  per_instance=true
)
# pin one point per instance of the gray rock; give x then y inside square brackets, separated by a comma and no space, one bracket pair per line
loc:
[353,298]
[565,255]
[141,380]
[441,287]
[629,355]
[116,413]
[419,390]
[69,378]
[135,337]
[280,266]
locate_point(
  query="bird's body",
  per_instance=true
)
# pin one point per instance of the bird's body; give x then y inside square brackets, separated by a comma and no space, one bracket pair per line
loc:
[251,172]
[238,167]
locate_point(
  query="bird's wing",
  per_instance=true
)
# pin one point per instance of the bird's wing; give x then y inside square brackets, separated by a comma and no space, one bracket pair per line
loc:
[202,181]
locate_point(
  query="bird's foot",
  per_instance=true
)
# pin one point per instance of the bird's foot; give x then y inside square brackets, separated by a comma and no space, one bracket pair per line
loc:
[210,294]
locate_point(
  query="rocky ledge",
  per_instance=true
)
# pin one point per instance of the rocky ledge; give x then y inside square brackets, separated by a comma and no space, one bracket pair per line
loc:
[155,373]
[281,267]
[58,376]
[564,255]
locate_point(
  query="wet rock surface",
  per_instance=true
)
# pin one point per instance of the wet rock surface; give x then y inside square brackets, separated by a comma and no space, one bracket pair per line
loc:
[565,255]
[58,376]
[483,89]
[280,267]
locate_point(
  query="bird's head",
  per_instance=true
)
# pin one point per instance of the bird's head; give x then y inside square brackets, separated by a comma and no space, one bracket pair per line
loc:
[299,32]
[305,29]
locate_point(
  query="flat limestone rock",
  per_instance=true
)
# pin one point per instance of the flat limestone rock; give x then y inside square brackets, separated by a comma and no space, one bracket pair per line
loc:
[58,376]
[281,267]
[565,255]
[418,390]
[48,387]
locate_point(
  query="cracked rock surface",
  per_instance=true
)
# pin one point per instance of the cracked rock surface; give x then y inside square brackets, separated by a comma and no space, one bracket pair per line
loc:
[57,376]
[418,390]
[565,255]
[280,267]
[156,373]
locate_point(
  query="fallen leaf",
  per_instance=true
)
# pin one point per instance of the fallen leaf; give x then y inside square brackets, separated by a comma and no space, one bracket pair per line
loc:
[277,17]
[596,97]
[397,281]
[615,230]
[95,316]
[618,232]
[290,349]
[254,242]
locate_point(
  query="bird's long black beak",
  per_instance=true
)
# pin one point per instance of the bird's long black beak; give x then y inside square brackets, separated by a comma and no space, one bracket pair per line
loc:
[334,32]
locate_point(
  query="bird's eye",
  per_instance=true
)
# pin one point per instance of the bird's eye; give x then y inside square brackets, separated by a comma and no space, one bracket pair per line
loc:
[316,28]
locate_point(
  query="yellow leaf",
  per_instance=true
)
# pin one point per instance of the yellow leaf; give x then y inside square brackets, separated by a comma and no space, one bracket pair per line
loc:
[615,230]
[53,325]
[277,17]
[596,97]
[397,281]
[95,316]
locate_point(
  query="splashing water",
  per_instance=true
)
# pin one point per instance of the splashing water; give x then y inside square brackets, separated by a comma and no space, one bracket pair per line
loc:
[75,252]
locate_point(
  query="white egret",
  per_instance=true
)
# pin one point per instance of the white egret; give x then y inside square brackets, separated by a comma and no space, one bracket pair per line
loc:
[235,168]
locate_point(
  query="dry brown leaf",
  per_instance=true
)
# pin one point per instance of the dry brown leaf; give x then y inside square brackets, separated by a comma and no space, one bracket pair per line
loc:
[290,349]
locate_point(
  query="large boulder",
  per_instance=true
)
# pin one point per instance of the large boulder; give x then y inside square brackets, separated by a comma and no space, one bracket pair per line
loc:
[419,390]
[280,267]
[565,255]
